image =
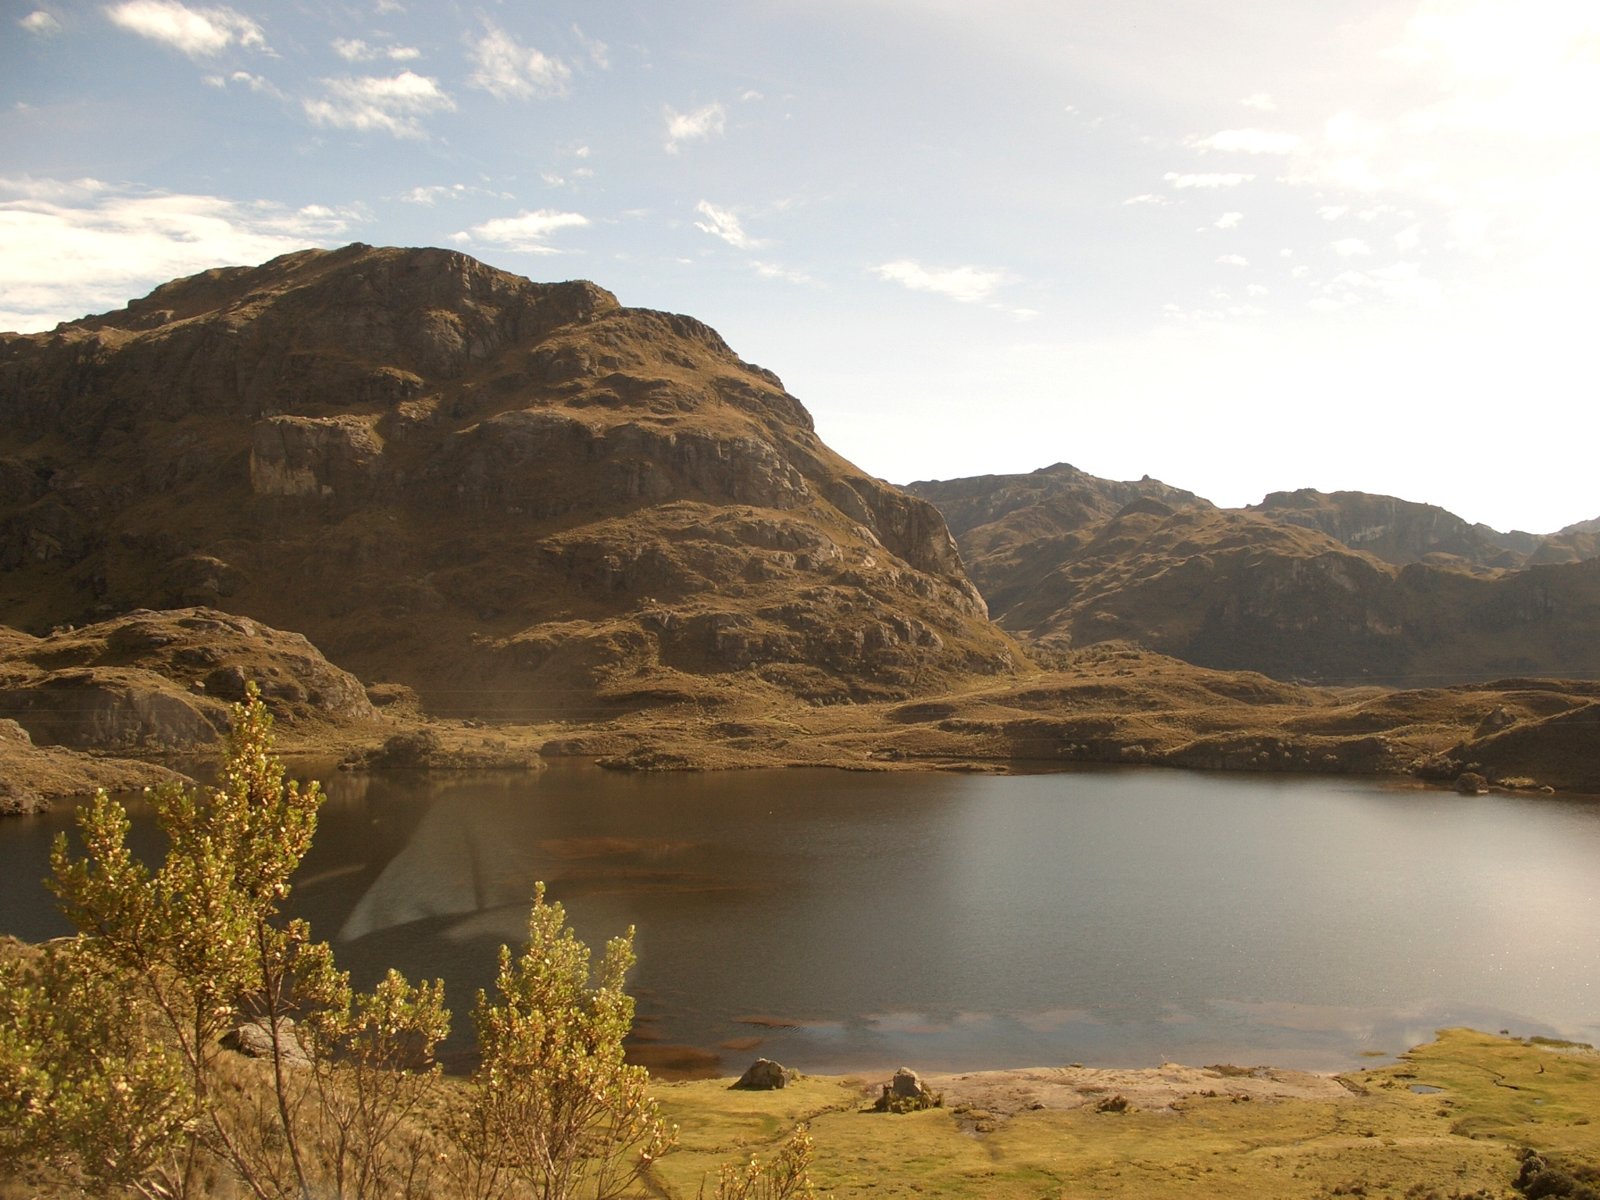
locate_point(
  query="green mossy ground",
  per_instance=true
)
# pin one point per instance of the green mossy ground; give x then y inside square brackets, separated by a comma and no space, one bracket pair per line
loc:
[1384,1139]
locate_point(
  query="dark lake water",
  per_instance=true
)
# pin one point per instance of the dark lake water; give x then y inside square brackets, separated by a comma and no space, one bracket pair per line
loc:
[842,921]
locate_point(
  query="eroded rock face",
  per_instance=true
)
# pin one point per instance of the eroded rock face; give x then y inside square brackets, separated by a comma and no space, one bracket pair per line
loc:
[517,497]
[110,710]
[323,458]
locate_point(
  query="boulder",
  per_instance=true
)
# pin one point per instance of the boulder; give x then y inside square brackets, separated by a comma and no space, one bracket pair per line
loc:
[764,1075]
[253,1039]
[906,1092]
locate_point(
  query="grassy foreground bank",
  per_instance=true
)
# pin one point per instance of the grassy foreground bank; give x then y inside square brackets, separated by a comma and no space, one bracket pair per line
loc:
[1215,1132]
[1379,1137]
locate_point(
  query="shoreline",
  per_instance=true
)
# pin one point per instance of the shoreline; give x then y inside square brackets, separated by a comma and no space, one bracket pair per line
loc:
[1112,707]
[1454,1117]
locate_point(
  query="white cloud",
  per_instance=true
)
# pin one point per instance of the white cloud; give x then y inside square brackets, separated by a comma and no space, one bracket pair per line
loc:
[356,50]
[1260,101]
[1352,131]
[1234,260]
[1512,68]
[1204,179]
[68,248]
[40,22]
[722,223]
[1399,283]
[508,70]
[1488,155]
[1469,227]
[197,32]
[599,53]
[1250,141]
[967,284]
[1228,220]
[702,123]
[1332,212]
[1351,247]
[256,83]
[1145,198]
[430,194]
[393,105]
[775,271]
[527,231]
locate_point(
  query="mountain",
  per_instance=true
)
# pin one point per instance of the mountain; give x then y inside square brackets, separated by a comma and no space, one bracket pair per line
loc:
[1014,529]
[1403,532]
[1337,588]
[518,498]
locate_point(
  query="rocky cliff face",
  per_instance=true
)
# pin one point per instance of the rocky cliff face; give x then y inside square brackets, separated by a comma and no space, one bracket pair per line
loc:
[1341,588]
[517,497]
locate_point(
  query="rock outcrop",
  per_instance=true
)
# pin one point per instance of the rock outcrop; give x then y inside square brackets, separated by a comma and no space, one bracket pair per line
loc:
[520,498]
[164,681]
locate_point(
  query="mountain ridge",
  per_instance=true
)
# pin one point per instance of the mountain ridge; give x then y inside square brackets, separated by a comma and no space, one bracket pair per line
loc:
[1334,587]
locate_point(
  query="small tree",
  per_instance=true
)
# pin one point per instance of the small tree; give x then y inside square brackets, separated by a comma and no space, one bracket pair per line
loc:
[111,1058]
[786,1177]
[368,1052]
[80,1084]
[555,1113]
[198,939]
[183,954]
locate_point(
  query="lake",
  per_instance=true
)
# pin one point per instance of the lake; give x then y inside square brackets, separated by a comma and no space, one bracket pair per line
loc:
[841,921]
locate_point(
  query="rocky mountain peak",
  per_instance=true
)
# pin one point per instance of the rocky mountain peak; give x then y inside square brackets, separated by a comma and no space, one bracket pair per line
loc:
[491,488]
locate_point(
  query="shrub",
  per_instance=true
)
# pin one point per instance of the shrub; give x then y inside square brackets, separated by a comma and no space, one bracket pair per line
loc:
[112,1065]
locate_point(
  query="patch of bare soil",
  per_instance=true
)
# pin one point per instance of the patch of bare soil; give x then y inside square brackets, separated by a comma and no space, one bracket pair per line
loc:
[982,1098]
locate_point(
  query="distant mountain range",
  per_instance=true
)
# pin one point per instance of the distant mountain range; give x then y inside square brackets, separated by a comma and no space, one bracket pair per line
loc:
[1340,587]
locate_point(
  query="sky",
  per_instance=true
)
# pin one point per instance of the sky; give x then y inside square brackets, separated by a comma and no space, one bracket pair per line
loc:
[1237,246]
